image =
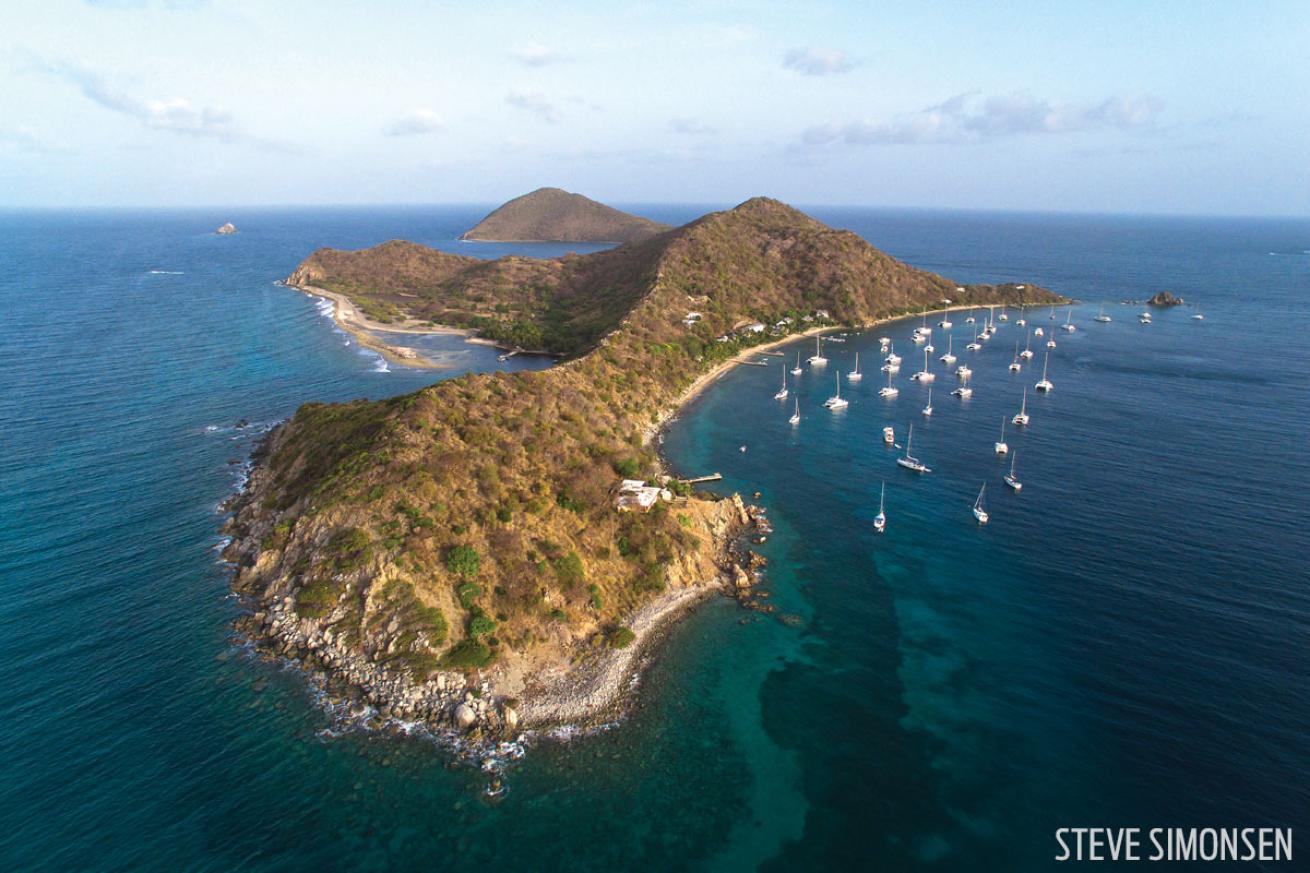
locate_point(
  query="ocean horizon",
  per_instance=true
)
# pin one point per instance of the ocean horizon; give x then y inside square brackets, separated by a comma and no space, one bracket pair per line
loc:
[1123,642]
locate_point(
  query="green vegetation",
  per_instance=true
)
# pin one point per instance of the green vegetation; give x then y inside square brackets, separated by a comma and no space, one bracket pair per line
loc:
[620,637]
[491,496]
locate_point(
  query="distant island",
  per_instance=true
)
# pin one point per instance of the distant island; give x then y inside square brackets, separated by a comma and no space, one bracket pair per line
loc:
[495,550]
[226,229]
[554,215]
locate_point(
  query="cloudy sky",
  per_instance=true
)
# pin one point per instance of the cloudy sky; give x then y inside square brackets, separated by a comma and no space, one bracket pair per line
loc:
[1187,107]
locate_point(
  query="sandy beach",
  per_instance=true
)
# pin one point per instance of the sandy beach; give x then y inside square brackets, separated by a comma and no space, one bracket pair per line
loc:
[359,326]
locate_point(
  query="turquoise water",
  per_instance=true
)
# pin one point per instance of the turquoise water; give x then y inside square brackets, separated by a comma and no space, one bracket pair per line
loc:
[1123,643]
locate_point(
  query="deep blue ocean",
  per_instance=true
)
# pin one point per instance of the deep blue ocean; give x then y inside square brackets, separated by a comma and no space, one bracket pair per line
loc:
[1125,643]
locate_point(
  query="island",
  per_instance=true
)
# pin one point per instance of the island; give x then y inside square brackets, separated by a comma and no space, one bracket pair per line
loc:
[226,229]
[1165,299]
[554,215]
[495,550]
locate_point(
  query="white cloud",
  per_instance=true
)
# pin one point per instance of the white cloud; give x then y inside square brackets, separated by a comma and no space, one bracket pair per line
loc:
[418,122]
[536,103]
[29,141]
[971,117]
[534,54]
[690,127]
[817,61]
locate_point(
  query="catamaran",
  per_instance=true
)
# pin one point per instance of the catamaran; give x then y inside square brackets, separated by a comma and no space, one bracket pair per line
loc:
[1021,417]
[796,370]
[1050,343]
[1144,317]
[891,390]
[1011,479]
[1015,366]
[945,323]
[908,461]
[818,359]
[949,357]
[1068,326]
[1045,384]
[892,357]
[855,375]
[924,375]
[978,511]
[927,410]
[836,401]
[970,319]
[880,520]
[796,416]
[964,391]
[782,392]
[963,371]
[1101,316]
[1052,318]
[1198,316]
[1004,316]
[975,345]
[1038,331]
[1022,319]
[889,435]
[1027,352]
[1001,446]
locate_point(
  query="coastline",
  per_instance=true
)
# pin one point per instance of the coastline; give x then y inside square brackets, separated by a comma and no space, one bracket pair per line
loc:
[359,326]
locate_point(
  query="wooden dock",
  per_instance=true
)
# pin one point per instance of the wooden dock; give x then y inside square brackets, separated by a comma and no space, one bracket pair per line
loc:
[713,477]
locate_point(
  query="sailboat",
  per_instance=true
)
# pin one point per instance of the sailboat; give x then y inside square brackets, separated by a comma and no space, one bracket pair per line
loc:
[1015,366]
[970,319]
[855,375]
[991,323]
[945,323]
[837,401]
[975,345]
[1052,318]
[891,390]
[927,410]
[1021,417]
[1101,316]
[907,460]
[818,359]
[978,511]
[1004,316]
[963,392]
[782,392]
[796,416]
[1144,317]
[1027,352]
[924,375]
[1045,384]
[1068,326]
[1022,320]
[892,357]
[1198,316]
[880,520]
[949,357]
[796,370]
[1038,331]
[963,372]
[1001,446]
[1011,479]
[1050,343]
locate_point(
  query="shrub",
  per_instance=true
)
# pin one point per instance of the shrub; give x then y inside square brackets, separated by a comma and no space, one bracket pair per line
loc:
[316,599]
[481,624]
[350,549]
[467,593]
[620,637]
[463,561]
[594,591]
[628,468]
[569,569]
[467,654]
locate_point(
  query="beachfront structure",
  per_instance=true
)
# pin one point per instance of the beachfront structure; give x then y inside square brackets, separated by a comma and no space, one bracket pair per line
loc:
[634,495]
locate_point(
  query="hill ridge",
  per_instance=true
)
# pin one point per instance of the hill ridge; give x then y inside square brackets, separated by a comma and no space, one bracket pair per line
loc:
[556,215]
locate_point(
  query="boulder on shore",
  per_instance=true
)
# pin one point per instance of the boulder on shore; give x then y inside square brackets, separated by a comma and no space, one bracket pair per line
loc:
[465,716]
[227,228]
[1164,298]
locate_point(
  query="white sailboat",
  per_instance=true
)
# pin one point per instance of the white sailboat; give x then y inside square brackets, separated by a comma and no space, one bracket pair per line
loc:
[970,319]
[855,375]
[907,460]
[1027,352]
[1144,317]
[880,520]
[1050,343]
[1021,417]
[889,435]
[782,392]
[1023,320]
[1052,317]
[1101,316]
[1045,384]
[945,323]
[927,410]
[796,416]
[892,357]
[963,392]
[924,375]
[1068,326]
[978,511]
[796,370]
[1001,446]
[836,401]
[1038,331]
[1004,316]
[1010,478]
[963,372]
[1198,316]
[818,359]
[975,345]
[1015,366]
[949,357]
[889,391]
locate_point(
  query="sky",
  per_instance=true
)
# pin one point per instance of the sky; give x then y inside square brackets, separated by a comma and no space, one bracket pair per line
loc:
[1139,107]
